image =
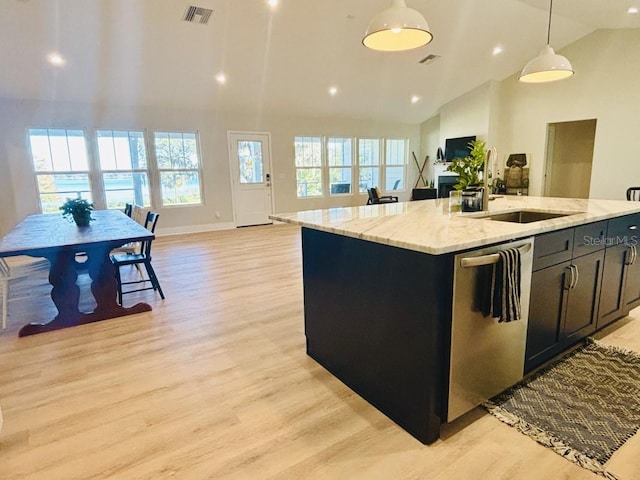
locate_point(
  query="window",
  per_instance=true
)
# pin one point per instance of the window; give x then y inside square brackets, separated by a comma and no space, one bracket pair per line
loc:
[395,164]
[61,165]
[178,168]
[250,161]
[369,163]
[308,160]
[339,156]
[123,162]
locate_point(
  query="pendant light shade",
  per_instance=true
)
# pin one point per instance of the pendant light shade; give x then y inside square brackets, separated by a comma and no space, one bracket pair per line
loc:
[396,29]
[548,66]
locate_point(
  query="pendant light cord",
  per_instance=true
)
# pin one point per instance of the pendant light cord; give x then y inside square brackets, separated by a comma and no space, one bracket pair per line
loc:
[549,28]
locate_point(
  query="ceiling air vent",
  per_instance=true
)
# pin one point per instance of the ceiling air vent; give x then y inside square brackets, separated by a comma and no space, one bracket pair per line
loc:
[197,15]
[429,59]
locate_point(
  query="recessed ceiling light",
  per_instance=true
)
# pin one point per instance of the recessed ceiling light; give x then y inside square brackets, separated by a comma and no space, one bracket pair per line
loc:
[272,3]
[497,50]
[333,91]
[221,78]
[56,59]
[415,99]
[632,10]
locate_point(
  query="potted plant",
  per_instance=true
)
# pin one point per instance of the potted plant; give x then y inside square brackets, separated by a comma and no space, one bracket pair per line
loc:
[77,209]
[469,168]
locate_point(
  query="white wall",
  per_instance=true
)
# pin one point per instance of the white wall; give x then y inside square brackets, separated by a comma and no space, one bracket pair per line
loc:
[429,143]
[477,112]
[605,87]
[16,116]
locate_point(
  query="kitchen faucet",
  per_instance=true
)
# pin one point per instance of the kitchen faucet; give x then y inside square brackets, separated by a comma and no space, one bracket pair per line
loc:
[485,178]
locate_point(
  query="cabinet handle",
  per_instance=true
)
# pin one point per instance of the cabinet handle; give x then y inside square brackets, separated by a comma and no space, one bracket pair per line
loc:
[575,283]
[629,257]
[572,279]
[634,257]
[633,227]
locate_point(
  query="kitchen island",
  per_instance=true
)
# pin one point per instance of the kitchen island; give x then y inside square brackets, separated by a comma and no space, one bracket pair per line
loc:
[379,288]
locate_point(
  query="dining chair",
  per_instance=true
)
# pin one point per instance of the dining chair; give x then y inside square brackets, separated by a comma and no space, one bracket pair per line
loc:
[633,194]
[137,259]
[14,268]
[138,214]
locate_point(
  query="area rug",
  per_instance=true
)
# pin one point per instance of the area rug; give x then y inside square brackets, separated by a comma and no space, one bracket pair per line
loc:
[584,406]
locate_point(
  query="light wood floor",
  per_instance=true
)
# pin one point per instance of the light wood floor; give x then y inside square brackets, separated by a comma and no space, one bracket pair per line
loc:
[215,384]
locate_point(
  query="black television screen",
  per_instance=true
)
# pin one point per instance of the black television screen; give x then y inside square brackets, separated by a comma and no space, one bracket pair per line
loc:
[457,147]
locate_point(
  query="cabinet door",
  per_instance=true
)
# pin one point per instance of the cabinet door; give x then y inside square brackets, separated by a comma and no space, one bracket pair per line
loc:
[632,285]
[612,295]
[582,305]
[546,311]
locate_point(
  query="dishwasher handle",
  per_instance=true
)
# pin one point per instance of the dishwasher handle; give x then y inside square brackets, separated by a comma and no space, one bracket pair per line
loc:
[489,259]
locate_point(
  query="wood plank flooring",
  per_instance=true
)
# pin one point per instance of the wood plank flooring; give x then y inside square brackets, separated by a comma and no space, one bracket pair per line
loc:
[215,384]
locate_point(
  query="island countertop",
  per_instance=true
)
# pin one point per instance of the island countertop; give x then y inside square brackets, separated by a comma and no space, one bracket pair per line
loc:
[428,226]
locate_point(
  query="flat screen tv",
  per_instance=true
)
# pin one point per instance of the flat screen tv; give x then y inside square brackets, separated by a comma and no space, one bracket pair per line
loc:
[457,147]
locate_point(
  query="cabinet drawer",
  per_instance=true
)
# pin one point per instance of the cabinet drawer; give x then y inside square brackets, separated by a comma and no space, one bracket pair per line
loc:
[623,229]
[552,248]
[589,238]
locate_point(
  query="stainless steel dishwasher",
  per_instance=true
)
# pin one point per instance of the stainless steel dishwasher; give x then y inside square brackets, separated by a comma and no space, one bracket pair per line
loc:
[487,357]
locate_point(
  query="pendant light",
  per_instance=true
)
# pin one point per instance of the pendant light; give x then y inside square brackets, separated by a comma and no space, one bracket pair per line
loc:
[396,29]
[548,66]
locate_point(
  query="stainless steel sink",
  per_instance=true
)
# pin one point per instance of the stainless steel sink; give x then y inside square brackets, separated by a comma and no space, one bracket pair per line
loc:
[525,216]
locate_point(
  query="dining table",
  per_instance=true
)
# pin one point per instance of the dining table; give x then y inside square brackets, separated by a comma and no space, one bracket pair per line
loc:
[60,241]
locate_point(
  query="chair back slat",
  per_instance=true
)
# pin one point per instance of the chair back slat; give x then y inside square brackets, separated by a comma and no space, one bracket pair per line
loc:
[150,224]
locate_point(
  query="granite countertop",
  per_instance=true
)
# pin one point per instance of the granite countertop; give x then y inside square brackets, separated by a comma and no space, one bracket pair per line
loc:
[427,226]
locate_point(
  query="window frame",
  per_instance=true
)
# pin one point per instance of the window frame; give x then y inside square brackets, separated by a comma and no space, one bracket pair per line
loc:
[351,167]
[53,172]
[321,167]
[102,172]
[379,166]
[158,171]
[95,176]
[404,165]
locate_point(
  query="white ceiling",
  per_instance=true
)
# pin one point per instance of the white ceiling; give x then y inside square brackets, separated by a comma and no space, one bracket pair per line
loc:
[140,52]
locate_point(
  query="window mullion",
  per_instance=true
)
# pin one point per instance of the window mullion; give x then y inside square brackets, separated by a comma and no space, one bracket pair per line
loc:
[153,171]
[95,175]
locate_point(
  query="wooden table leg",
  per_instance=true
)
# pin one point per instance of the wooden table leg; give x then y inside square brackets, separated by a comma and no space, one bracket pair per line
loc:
[66,293]
[105,289]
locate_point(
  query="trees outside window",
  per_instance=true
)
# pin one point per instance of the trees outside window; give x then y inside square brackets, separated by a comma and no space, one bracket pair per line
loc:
[178,167]
[308,161]
[124,167]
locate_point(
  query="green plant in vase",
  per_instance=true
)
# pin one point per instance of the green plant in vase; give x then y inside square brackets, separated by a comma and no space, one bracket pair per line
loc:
[469,168]
[79,210]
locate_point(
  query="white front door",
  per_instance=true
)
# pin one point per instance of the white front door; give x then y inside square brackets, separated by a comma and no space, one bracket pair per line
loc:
[250,162]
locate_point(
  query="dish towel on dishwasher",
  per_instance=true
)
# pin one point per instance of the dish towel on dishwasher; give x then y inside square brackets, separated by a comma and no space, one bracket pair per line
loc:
[505,286]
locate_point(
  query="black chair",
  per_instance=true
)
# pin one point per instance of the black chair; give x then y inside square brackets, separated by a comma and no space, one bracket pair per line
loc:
[144,258]
[633,194]
[128,208]
[375,197]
